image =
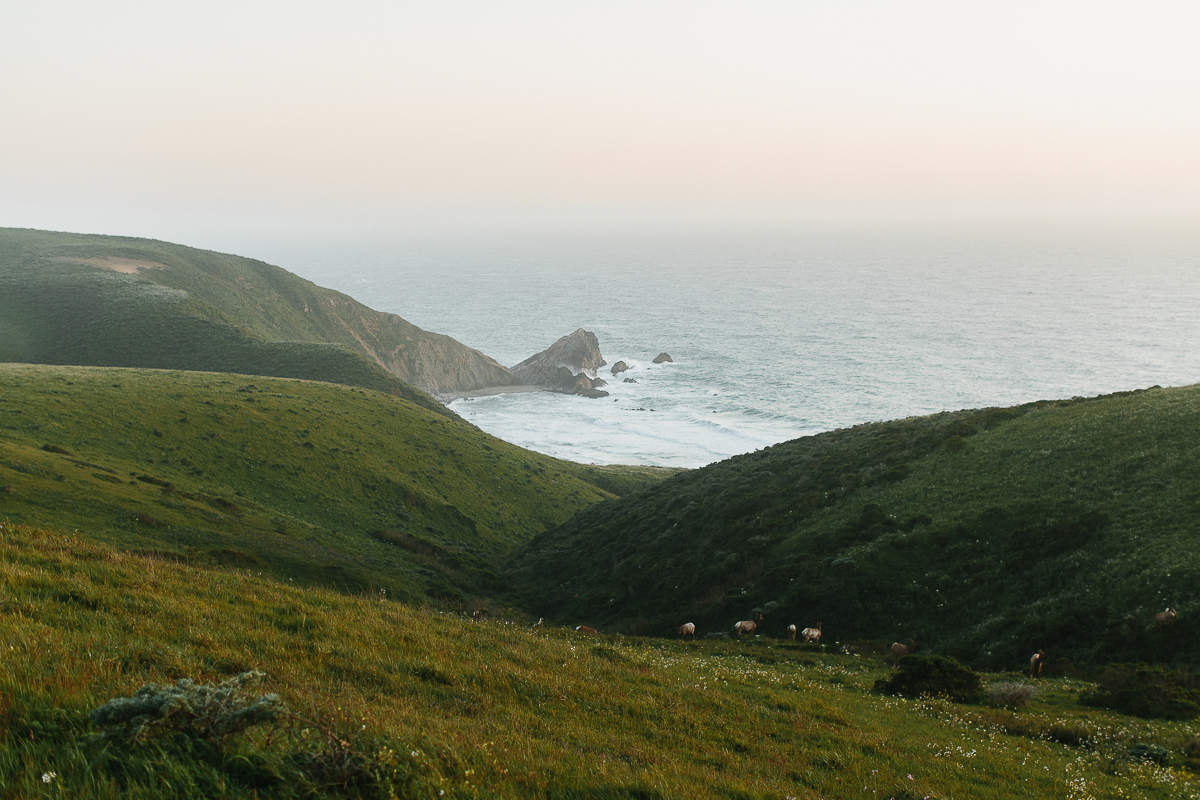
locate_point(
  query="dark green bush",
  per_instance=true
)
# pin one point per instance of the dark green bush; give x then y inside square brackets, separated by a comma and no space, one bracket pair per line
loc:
[1145,690]
[933,676]
[1142,751]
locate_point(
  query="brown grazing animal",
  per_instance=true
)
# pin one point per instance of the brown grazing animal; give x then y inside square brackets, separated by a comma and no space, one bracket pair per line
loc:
[1165,617]
[898,649]
[811,634]
[586,629]
[1035,663]
[791,629]
[747,626]
[686,629]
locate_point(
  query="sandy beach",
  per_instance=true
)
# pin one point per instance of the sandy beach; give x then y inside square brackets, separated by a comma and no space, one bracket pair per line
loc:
[445,398]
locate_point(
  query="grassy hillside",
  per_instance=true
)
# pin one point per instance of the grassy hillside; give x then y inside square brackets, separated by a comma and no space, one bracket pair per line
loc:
[380,697]
[986,534]
[310,481]
[65,300]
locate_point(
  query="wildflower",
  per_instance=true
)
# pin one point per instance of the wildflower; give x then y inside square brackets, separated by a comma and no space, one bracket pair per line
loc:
[48,776]
[910,777]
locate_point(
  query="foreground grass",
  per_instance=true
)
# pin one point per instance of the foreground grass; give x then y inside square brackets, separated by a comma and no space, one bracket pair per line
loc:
[493,709]
[314,482]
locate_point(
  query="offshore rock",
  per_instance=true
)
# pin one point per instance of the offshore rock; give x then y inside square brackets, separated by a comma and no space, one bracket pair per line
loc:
[619,367]
[631,380]
[661,357]
[569,365]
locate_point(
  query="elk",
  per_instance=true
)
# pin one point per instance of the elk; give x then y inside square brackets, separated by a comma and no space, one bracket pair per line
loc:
[687,629]
[1035,663]
[811,634]
[586,629]
[1165,617]
[747,626]
[898,649]
[791,630]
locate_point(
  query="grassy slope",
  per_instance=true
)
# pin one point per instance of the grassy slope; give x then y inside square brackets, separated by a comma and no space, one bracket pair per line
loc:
[985,534]
[291,477]
[495,710]
[210,311]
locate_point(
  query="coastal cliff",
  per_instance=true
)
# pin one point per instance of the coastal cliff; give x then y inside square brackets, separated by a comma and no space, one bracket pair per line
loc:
[118,301]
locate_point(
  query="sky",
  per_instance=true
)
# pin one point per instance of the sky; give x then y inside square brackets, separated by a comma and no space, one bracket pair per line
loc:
[177,121]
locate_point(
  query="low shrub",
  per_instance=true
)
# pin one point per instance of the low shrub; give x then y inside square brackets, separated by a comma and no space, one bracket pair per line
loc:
[1143,751]
[191,725]
[1070,735]
[199,710]
[933,676]
[1013,695]
[1149,691]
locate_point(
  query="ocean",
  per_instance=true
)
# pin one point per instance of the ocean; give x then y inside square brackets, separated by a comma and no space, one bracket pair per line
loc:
[776,336]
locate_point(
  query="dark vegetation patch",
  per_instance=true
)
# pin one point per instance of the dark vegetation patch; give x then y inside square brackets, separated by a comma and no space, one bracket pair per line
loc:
[933,676]
[1147,690]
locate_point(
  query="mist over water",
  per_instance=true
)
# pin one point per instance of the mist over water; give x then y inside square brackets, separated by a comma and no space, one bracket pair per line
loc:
[778,337]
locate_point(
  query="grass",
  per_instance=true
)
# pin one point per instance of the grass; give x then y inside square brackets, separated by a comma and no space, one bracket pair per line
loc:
[212,312]
[313,482]
[493,709]
[982,534]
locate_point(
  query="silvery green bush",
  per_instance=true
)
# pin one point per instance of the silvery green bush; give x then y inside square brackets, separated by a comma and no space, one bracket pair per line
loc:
[1011,694]
[201,710]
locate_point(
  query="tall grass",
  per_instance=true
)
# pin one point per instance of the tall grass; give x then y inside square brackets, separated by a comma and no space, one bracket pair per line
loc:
[487,709]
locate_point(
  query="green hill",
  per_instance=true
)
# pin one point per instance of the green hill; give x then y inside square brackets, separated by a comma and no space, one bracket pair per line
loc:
[378,699]
[315,482]
[984,534]
[116,301]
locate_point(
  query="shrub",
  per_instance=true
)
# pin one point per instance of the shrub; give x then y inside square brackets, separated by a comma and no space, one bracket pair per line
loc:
[1013,695]
[199,710]
[1070,735]
[935,676]
[1143,751]
[1145,690]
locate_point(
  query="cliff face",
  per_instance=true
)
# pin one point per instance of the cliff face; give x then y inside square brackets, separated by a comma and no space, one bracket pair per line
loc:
[433,362]
[569,365]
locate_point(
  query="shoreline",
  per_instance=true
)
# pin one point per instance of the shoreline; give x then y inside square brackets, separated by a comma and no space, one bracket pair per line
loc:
[446,398]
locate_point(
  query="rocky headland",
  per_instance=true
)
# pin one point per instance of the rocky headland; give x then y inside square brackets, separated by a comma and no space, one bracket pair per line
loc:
[569,366]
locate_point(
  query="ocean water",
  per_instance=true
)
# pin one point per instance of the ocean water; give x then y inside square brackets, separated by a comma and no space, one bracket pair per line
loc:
[779,336]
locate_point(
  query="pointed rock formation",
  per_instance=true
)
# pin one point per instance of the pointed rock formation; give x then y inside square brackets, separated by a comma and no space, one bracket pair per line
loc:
[569,365]
[661,357]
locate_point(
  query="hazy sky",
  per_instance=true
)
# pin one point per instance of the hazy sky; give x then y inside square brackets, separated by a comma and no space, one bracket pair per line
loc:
[161,118]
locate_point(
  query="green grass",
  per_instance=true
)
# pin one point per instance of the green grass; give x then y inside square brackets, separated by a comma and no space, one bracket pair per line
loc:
[492,709]
[982,534]
[318,483]
[212,312]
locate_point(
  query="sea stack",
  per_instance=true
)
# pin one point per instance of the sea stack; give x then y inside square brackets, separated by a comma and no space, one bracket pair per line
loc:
[569,365]
[619,367]
[661,357]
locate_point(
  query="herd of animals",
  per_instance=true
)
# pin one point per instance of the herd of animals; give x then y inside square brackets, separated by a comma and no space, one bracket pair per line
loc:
[749,626]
